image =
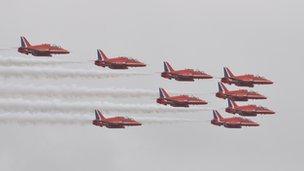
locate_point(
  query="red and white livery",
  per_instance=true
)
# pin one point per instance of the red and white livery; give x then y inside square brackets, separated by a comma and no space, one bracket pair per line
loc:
[40,50]
[246,80]
[247,110]
[116,62]
[183,75]
[232,122]
[114,122]
[178,101]
[237,95]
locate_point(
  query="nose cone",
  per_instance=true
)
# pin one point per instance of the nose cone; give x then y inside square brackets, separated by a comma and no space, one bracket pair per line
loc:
[64,51]
[268,81]
[141,64]
[271,112]
[262,97]
[259,96]
[200,101]
[207,76]
[267,111]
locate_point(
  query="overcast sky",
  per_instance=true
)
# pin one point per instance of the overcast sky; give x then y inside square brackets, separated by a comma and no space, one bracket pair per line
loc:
[263,37]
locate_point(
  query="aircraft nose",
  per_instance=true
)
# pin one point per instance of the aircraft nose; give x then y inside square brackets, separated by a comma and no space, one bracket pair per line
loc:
[143,64]
[253,123]
[269,82]
[270,112]
[261,96]
[203,101]
[66,51]
[209,76]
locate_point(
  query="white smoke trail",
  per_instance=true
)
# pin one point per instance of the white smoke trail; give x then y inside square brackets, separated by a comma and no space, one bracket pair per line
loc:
[154,120]
[47,73]
[48,119]
[83,120]
[74,92]
[55,106]
[19,61]
[71,92]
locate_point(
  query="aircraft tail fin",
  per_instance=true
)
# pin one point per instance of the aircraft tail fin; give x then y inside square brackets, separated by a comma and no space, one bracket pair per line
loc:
[222,88]
[232,104]
[168,67]
[98,115]
[24,42]
[163,93]
[101,56]
[217,116]
[228,73]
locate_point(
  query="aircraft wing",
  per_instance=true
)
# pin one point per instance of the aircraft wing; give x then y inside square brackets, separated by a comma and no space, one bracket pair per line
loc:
[41,50]
[116,124]
[177,101]
[118,64]
[233,123]
[244,80]
[184,76]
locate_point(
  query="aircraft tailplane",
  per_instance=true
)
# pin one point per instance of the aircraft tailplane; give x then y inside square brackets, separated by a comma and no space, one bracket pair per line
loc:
[232,104]
[168,67]
[101,56]
[24,42]
[98,115]
[228,73]
[217,116]
[163,93]
[222,88]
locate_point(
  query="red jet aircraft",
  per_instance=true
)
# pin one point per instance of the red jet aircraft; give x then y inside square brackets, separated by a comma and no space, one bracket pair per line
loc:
[178,101]
[246,110]
[183,75]
[237,95]
[117,62]
[233,122]
[114,122]
[40,50]
[243,80]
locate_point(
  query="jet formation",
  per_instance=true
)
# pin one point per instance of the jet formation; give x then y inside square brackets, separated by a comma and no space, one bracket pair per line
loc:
[247,80]
[122,62]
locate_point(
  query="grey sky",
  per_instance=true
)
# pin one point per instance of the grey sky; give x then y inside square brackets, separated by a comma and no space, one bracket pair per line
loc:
[264,37]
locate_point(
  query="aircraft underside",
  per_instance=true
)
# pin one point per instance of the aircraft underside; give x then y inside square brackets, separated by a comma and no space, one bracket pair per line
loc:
[118,66]
[232,126]
[184,79]
[36,53]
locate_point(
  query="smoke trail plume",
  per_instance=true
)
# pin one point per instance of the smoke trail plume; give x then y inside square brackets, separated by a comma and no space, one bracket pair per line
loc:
[18,61]
[21,105]
[83,120]
[46,73]
[70,92]
[155,120]
[48,119]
